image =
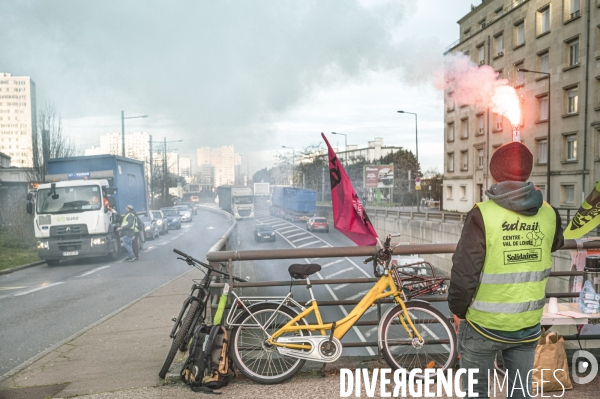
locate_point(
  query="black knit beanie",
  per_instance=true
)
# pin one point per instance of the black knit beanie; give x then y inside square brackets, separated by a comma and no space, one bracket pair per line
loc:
[512,161]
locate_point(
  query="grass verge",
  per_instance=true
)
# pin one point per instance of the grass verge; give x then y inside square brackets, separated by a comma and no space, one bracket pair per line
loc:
[16,253]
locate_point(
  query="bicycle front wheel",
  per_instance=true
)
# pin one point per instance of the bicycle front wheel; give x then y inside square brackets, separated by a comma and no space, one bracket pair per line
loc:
[252,355]
[180,337]
[403,350]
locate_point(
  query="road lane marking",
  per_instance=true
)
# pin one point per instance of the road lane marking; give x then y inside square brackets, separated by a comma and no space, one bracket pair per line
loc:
[340,286]
[297,234]
[301,239]
[340,272]
[331,263]
[307,244]
[356,296]
[370,331]
[278,224]
[94,270]
[11,288]
[37,289]
[287,229]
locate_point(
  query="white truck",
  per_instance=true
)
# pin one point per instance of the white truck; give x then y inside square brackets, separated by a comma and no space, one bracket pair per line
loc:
[71,218]
[237,200]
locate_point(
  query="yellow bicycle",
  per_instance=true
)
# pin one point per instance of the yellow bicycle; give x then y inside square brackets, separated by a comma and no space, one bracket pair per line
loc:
[270,341]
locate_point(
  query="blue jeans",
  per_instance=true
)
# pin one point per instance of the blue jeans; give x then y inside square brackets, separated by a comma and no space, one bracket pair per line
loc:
[478,352]
[127,243]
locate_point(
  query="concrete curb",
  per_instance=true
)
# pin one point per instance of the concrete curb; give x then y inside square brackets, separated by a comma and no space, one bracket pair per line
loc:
[17,268]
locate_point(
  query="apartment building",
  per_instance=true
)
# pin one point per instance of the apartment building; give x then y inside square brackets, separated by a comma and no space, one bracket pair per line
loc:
[17,118]
[137,145]
[561,105]
[224,163]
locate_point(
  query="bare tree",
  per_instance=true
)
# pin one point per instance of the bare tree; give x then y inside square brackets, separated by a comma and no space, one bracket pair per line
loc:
[48,142]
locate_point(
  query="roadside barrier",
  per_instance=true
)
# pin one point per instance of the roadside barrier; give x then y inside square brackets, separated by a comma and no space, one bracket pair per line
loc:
[219,253]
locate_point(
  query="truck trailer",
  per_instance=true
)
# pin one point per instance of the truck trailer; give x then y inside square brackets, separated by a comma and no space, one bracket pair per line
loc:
[293,204]
[70,215]
[237,200]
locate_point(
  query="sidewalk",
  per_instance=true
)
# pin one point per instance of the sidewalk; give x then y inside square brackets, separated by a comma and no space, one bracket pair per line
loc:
[120,358]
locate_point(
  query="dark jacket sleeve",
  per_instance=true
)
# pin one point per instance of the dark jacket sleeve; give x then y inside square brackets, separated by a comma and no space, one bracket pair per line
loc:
[467,263]
[559,239]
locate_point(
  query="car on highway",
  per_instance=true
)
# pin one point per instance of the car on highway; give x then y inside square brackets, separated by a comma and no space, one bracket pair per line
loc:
[173,218]
[161,221]
[151,230]
[264,232]
[185,212]
[316,223]
[192,206]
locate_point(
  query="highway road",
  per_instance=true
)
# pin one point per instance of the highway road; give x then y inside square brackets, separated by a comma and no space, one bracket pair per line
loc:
[295,235]
[44,305]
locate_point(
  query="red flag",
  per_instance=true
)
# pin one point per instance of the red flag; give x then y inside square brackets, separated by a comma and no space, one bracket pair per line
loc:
[349,215]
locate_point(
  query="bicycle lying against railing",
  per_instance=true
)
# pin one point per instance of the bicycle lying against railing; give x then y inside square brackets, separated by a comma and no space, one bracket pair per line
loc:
[270,340]
[193,311]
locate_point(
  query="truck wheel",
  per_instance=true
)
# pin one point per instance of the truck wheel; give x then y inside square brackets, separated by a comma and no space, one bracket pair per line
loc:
[52,262]
[114,254]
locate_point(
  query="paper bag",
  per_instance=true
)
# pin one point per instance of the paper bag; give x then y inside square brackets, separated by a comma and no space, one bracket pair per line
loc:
[550,355]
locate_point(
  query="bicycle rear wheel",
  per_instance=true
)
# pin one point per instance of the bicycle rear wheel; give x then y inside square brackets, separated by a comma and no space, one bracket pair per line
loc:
[251,353]
[180,337]
[401,351]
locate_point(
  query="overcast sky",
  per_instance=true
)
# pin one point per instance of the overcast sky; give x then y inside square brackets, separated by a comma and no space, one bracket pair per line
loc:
[255,74]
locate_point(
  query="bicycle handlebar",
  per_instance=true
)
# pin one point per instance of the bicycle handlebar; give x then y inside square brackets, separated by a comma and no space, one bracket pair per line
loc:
[189,258]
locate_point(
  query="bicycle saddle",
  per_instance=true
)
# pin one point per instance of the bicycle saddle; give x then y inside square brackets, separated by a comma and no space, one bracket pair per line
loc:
[302,271]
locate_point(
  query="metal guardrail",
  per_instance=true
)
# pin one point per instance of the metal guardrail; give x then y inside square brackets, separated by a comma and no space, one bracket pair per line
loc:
[217,254]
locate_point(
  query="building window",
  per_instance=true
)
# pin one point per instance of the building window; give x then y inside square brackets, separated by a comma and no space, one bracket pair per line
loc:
[464,128]
[568,193]
[542,148]
[451,131]
[571,147]
[481,52]
[498,122]
[544,20]
[543,62]
[480,124]
[573,8]
[450,102]
[573,52]
[572,100]
[499,45]
[450,162]
[480,159]
[519,74]
[519,34]
[467,33]
[464,160]
[597,105]
[463,192]
[500,74]
[449,192]
[499,12]
[543,108]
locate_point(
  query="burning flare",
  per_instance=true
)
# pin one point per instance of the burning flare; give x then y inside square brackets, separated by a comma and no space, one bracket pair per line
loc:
[505,101]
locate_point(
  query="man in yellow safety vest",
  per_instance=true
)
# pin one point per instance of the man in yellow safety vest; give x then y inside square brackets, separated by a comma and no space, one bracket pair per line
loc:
[500,270]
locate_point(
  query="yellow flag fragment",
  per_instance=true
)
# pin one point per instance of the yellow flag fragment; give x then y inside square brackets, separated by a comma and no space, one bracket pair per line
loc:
[587,217]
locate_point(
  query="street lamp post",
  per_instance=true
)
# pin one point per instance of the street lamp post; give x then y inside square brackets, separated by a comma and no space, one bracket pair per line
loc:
[345,146]
[164,168]
[548,139]
[416,152]
[123,117]
[293,159]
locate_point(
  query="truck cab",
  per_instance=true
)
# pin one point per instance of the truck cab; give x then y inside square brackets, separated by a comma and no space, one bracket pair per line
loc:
[71,219]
